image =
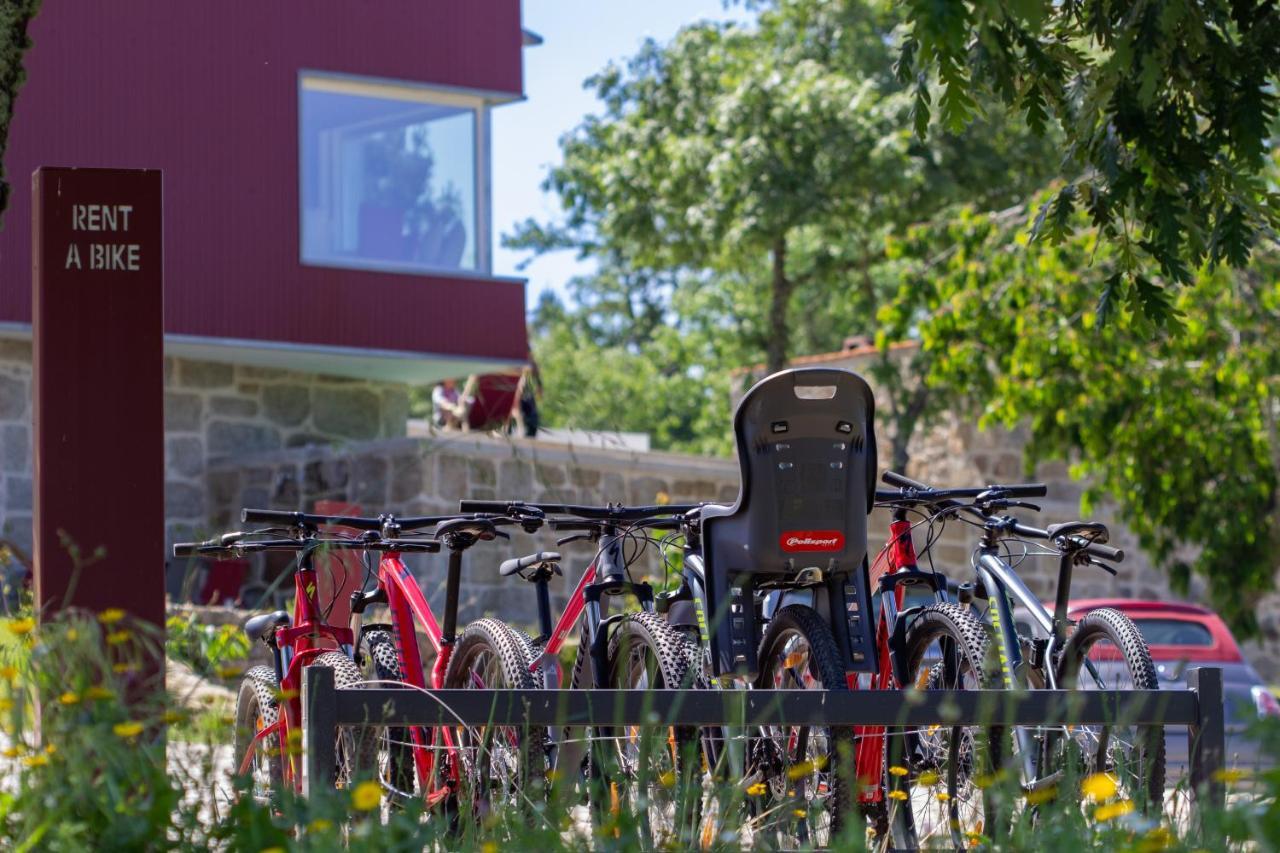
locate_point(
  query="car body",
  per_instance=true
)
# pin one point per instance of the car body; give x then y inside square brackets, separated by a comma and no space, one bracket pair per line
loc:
[1182,637]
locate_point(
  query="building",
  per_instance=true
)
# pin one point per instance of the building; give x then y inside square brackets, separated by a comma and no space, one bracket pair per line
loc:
[327,220]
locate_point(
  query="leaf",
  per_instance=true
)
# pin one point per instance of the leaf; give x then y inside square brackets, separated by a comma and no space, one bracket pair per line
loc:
[1037,115]
[1053,222]
[1107,299]
[1232,238]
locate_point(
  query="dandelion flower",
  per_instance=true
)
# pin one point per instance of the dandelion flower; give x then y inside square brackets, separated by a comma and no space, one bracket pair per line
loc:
[366,796]
[927,778]
[36,760]
[804,768]
[943,796]
[111,616]
[50,748]
[667,780]
[898,771]
[11,751]
[8,673]
[897,794]
[124,668]
[1040,796]
[757,790]
[98,692]
[6,704]
[1099,786]
[22,626]
[127,730]
[1235,774]
[171,717]
[1113,810]
[800,813]
[69,698]
[73,634]
[115,638]
[320,825]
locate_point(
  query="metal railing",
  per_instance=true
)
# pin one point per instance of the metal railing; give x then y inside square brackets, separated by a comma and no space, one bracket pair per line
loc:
[1199,708]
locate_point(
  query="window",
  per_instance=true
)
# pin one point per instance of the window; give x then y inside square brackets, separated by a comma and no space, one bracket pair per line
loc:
[1174,632]
[390,176]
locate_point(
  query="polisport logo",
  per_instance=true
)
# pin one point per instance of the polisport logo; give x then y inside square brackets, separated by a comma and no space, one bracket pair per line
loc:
[812,540]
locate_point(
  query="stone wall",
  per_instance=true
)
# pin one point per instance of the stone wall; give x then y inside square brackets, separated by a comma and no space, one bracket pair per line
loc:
[212,410]
[429,476]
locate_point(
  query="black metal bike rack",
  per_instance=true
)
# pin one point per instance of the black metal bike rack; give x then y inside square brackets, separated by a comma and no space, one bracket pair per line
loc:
[1200,708]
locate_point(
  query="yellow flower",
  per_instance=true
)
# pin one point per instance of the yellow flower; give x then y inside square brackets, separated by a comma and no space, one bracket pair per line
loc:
[1235,774]
[662,498]
[800,813]
[366,796]
[1099,786]
[36,760]
[927,778]
[943,796]
[11,751]
[130,729]
[111,616]
[668,779]
[320,825]
[757,790]
[1113,810]
[98,692]
[8,673]
[171,717]
[22,626]
[51,748]
[1157,839]
[489,847]
[230,671]
[804,768]
[1042,795]
[69,698]
[122,668]
[73,634]
[897,771]
[6,704]
[986,780]
[897,795]
[115,638]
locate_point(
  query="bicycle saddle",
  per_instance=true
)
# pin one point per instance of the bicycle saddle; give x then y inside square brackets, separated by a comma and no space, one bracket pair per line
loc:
[1091,531]
[542,559]
[473,529]
[260,626]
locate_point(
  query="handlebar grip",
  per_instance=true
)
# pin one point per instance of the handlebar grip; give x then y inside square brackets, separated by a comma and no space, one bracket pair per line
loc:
[1105,552]
[1026,490]
[185,549]
[270,516]
[895,479]
[558,524]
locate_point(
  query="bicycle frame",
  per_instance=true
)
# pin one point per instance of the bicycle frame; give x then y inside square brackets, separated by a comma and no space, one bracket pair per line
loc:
[296,645]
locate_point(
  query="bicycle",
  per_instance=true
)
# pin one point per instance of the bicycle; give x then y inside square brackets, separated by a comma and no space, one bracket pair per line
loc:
[633,650]
[1043,757]
[268,703]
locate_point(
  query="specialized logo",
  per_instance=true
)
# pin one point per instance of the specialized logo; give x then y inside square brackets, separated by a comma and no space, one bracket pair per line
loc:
[812,540]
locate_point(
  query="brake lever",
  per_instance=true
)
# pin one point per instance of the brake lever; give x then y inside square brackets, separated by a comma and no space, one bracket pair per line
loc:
[1023,505]
[576,537]
[1108,569]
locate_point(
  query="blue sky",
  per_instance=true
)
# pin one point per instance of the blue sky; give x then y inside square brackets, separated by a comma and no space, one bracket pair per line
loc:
[581,37]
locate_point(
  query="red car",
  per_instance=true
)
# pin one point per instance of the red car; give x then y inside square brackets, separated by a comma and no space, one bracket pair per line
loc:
[1184,636]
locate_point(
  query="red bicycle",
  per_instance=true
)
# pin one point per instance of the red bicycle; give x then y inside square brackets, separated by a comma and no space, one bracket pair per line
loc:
[268,707]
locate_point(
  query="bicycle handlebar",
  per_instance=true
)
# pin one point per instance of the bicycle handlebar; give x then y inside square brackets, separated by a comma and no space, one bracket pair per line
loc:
[303,519]
[1014,490]
[223,545]
[601,513]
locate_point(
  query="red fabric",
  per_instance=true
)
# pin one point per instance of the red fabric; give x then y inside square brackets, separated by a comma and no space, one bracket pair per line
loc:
[495,398]
[222,584]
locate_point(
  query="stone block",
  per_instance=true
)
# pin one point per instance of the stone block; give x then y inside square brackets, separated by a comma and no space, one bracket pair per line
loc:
[406,478]
[285,493]
[182,412]
[728,493]
[18,530]
[347,412]
[286,405]
[369,482]
[692,490]
[549,475]
[253,497]
[451,477]
[15,350]
[13,398]
[234,406]
[515,478]
[228,437]
[258,476]
[15,449]
[1009,468]
[224,487]
[307,439]
[17,494]
[185,456]
[395,411]
[248,371]
[584,477]
[645,490]
[205,374]
[324,478]
[183,500]
[482,472]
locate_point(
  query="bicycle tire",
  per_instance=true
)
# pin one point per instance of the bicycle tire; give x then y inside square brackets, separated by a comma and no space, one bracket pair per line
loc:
[956,757]
[786,797]
[1146,784]
[257,707]
[520,767]
[394,759]
[665,795]
[357,746]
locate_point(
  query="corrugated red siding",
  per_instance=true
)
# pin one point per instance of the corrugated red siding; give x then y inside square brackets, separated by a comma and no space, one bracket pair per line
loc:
[208,92]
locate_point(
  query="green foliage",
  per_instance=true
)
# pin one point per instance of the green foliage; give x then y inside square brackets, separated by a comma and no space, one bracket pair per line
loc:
[1165,108]
[1179,430]
[208,649]
[15,16]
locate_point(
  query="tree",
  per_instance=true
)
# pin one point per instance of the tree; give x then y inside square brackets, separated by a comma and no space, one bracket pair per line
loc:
[15,16]
[1165,107]
[1180,430]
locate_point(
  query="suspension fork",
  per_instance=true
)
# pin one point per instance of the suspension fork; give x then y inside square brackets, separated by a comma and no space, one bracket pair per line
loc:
[1008,647]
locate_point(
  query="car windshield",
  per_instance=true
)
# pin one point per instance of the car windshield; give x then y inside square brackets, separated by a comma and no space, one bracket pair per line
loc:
[1174,632]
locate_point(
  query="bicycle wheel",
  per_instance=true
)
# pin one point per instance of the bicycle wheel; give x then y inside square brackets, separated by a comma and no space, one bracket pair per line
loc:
[651,774]
[1132,755]
[381,663]
[934,776]
[806,771]
[497,765]
[357,747]
[257,708]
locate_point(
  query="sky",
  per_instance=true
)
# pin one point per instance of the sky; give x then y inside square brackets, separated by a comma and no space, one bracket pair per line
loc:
[581,36]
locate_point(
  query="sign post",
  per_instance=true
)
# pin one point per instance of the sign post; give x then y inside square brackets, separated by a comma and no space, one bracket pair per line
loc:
[98,335]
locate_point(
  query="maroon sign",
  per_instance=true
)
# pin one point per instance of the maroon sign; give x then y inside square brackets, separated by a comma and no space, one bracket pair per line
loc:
[98,334]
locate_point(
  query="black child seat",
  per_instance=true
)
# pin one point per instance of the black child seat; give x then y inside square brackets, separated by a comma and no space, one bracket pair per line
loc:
[807,452]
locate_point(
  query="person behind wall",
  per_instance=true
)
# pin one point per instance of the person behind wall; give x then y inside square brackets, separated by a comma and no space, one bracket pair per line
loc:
[449,408]
[525,409]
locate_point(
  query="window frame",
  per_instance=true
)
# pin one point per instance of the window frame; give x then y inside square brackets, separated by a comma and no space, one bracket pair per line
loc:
[369,86]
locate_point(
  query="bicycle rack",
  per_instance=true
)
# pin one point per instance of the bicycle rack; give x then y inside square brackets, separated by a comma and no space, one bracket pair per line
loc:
[1200,708]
